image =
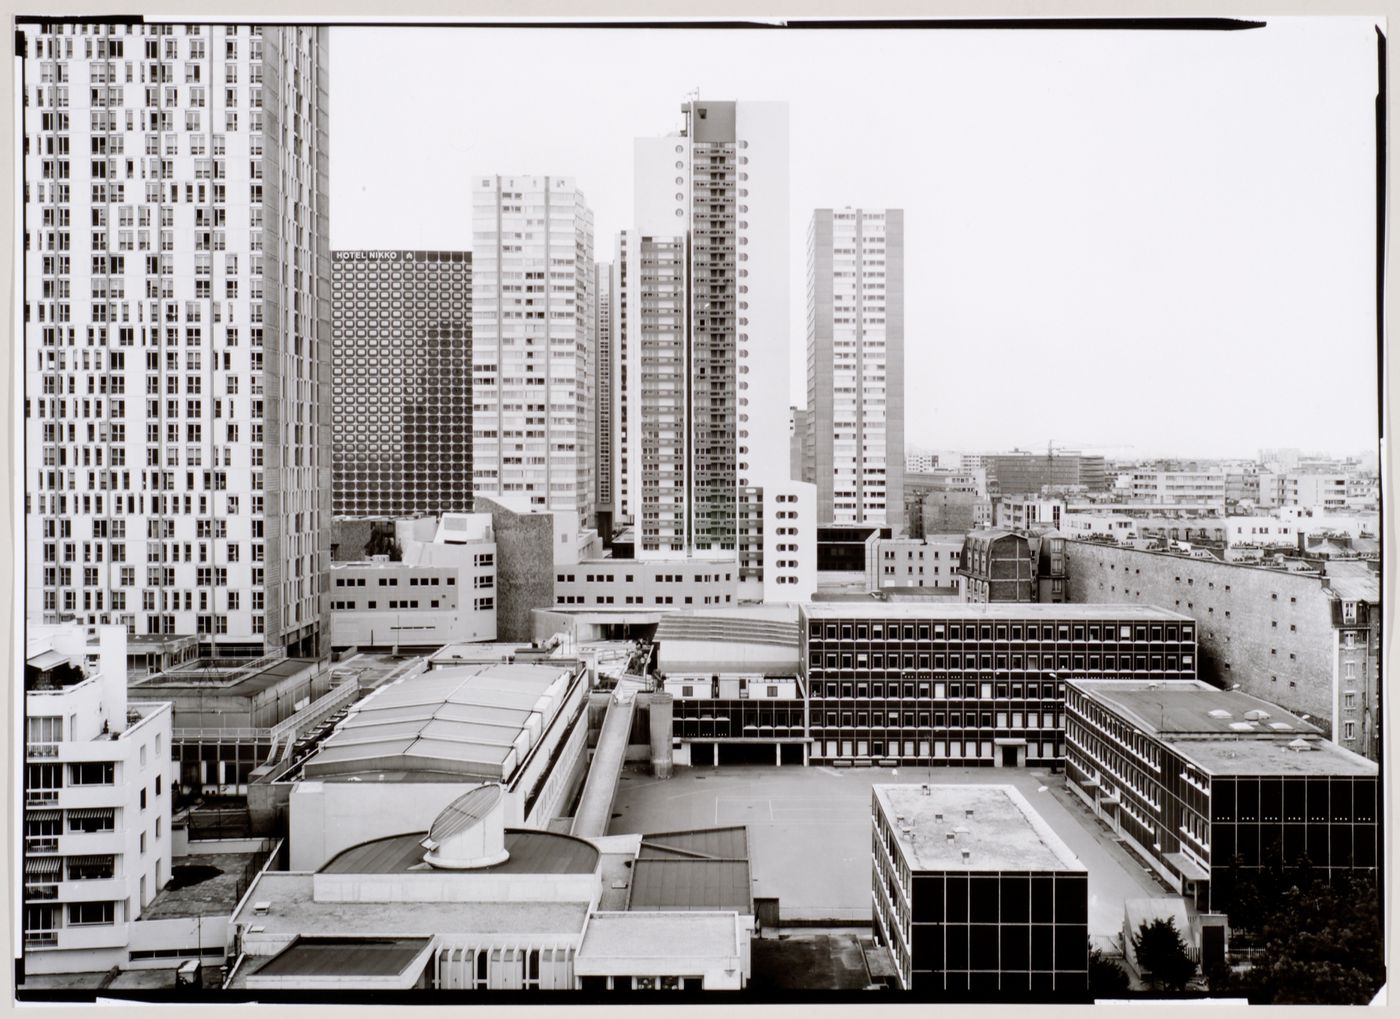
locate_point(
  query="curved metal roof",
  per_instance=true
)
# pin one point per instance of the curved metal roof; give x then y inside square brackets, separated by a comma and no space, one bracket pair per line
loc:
[464,812]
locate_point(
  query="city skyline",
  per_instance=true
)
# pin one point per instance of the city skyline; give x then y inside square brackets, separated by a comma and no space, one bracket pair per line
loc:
[1146,186]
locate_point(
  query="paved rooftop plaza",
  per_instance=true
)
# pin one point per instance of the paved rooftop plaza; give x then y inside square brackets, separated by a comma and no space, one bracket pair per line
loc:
[809,830]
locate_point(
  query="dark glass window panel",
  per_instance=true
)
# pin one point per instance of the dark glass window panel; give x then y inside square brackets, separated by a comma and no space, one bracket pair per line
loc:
[955,939]
[1294,843]
[1042,899]
[956,909]
[1364,845]
[1015,899]
[1340,794]
[982,901]
[1015,983]
[1015,947]
[927,946]
[928,898]
[1071,899]
[1247,802]
[1042,946]
[984,985]
[1222,841]
[1071,947]
[1271,799]
[983,948]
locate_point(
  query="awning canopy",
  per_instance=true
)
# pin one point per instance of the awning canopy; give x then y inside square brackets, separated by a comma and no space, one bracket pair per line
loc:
[43,866]
[47,814]
[91,861]
[91,813]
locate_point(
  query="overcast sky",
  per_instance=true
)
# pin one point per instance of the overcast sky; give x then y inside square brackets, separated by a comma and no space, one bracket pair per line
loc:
[1149,243]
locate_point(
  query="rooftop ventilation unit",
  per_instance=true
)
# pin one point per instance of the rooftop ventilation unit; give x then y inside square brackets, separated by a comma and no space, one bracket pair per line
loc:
[951,837]
[968,812]
[966,855]
[938,815]
[926,790]
[1256,715]
[261,908]
[1219,713]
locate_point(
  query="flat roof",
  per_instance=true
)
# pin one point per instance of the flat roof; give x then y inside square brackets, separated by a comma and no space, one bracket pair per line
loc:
[215,895]
[292,909]
[1191,706]
[531,852]
[227,680]
[991,610]
[344,957]
[702,869]
[1004,832]
[1272,755]
[465,719]
[682,936]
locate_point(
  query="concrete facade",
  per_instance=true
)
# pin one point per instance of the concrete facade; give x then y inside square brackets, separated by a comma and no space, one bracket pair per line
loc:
[855,365]
[177,335]
[525,556]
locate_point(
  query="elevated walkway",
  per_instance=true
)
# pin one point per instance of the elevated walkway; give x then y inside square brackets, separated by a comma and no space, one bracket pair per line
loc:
[595,805]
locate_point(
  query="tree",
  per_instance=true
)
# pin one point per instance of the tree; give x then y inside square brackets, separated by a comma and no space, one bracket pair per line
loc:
[1322,945]
[1162,955]
[382,542]
[1106,977]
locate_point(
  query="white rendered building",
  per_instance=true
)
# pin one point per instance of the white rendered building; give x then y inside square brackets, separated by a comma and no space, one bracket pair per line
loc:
[532,342]
[855,365]
[176,330]
[442,590]
[96,801]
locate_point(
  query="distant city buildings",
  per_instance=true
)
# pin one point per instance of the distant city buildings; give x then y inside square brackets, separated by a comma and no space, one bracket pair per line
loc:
[1025,473]
[920,461]
[533,375]
[177,336]
[401,377]
[854,450]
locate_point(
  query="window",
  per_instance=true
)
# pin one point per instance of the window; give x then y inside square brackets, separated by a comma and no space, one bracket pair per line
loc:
[91,914]
[92,819]
[1348,731]
[92,773]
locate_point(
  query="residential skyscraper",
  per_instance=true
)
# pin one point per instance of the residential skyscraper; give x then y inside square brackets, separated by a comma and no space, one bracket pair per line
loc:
[855,365]
[605,360]
[401,322]
[177,332]
[703,336]
[532,342]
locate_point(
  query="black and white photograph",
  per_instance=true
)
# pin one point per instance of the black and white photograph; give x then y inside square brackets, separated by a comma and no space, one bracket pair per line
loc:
[661,511]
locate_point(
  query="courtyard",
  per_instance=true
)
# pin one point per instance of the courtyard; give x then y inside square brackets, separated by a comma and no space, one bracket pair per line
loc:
[809,830]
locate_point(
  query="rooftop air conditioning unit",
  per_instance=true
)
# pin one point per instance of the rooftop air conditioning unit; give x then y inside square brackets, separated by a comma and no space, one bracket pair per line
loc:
[261,908]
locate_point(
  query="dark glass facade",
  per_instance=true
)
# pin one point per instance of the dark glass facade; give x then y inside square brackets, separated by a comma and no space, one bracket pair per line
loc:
[970,934]
[970,689]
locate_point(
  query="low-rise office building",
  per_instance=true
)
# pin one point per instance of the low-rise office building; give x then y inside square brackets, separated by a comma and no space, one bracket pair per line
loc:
[962,684]
[976,896]
[441,589]
[651,582]
[96,801]
[735,683]
[1202,782]
[1307,641]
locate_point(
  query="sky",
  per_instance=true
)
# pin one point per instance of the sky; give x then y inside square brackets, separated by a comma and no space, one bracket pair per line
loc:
[1135,243]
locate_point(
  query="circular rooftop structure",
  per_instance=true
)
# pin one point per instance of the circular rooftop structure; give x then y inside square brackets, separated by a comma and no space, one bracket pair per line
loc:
[469,832]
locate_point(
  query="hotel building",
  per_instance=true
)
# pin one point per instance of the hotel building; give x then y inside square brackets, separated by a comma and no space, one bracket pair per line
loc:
[855,365]
[402,372]
[177,345]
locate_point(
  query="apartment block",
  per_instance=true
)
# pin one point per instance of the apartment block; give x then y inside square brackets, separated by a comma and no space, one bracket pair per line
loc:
[97,843]
[976,896]
[1206,783]
[983,685]
[177,332]
[1309,641]
[533,375]
[401,323]
[855,365]
[605,396]
[921,563]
